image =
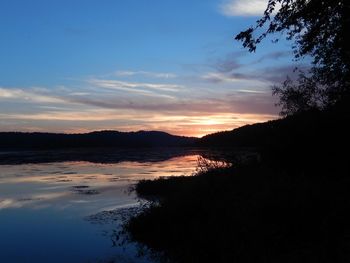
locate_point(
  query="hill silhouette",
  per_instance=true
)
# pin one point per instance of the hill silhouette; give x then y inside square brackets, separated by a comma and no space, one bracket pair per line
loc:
[100,139]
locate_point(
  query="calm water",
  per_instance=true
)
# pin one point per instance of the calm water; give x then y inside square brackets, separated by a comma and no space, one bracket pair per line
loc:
[44,208]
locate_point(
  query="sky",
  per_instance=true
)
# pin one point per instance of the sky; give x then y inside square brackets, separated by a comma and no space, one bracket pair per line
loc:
[77,66]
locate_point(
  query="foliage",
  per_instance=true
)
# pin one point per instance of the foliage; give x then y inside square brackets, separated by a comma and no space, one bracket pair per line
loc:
[319,30]
[301,97]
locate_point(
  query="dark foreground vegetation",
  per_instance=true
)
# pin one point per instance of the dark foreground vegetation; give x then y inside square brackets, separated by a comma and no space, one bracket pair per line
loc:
[290,205]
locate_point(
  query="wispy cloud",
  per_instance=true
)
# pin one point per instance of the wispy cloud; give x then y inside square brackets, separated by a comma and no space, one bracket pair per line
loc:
[61,116]
[229,62]
[266,76]
[63,106]
[217,77]
[274,56]
[141,87]
[207,102]
[27,95]
[128,73]
[243,7]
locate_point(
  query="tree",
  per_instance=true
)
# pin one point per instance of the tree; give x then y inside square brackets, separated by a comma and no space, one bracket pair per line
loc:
[318,29]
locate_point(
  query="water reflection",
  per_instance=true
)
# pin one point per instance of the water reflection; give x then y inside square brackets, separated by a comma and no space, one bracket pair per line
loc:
[57,182]
[96,155]
[44,206]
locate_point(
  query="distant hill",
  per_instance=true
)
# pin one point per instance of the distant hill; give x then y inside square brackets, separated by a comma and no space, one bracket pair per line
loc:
[37,140]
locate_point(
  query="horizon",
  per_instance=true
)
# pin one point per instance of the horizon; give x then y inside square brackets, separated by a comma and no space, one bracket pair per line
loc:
[126,66]
[97,131]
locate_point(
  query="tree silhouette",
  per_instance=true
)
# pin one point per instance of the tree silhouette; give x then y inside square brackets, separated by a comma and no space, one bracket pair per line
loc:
[318,29]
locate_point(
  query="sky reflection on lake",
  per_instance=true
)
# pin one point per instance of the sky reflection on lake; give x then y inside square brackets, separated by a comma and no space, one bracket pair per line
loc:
[43,208]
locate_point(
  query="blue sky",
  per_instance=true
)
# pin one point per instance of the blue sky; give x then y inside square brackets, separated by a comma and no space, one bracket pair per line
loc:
[83,65]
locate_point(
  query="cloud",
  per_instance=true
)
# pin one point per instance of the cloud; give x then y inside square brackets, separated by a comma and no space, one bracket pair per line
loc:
[276,75]
[184,106]
[127,73]
[136,87]
[229,68]
[229,62]
[27,95]
[262,76]
[243,7]
[85,107]
[218,77]
[240,101]
[57,115]
[274,56]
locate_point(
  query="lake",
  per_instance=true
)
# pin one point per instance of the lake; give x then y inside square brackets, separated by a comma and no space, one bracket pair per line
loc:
[49,201]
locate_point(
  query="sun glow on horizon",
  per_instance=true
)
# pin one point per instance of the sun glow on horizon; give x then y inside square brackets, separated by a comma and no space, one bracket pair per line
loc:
[193,126]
